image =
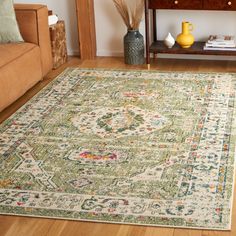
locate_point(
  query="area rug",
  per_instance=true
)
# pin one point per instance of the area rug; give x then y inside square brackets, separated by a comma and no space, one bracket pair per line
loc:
[131,147]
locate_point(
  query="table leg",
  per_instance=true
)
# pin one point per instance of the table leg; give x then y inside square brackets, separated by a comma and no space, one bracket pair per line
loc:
[154,21]
[147,33]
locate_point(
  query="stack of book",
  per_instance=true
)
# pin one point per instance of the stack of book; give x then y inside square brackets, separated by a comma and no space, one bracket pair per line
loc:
[220,42]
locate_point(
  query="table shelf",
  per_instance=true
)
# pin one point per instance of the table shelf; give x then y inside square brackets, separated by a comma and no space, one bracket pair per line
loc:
[196,48]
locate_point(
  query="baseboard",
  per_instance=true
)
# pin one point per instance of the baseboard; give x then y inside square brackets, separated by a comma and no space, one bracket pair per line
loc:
[104,53]
[73,52]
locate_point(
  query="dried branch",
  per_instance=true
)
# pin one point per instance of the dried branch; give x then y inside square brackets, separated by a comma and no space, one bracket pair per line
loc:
[124,12]
[131,18]
[137,14]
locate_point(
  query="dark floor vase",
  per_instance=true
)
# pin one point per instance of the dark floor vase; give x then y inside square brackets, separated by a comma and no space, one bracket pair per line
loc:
[133,48]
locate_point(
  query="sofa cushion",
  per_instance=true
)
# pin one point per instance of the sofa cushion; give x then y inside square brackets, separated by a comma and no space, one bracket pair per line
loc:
[19,71]
[11,51]
[9,31]
[33,24]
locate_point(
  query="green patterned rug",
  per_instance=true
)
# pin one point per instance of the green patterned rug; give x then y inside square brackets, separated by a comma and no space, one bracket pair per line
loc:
[131,147]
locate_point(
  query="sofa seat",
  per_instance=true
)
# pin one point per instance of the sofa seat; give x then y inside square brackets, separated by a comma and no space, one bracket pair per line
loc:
[20,67]
[11,51]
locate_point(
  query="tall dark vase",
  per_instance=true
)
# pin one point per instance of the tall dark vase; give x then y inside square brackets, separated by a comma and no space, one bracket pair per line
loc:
[133,48]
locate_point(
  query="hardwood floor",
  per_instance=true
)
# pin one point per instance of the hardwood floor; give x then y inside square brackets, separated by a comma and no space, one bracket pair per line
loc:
[27,226]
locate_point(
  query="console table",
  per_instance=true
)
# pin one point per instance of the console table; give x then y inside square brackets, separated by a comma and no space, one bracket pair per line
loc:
[197,48]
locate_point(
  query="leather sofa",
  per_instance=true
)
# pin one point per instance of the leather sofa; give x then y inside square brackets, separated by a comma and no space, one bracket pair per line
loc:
[22,65]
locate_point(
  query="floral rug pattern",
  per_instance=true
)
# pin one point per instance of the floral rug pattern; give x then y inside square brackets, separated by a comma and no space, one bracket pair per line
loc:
[132,147]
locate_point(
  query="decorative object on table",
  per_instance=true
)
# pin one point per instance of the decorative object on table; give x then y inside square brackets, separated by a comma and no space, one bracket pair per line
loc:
[52,19]
[185,39]
[220,42]
[169,41]
[161,160]
[58,43]
[133,40]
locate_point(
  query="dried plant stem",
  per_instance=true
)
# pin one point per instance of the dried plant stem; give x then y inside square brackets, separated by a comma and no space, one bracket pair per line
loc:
[131,18]
[137,14]
[124,12]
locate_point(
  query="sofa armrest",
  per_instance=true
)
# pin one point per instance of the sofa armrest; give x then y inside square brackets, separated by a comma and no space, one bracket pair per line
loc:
[33,23]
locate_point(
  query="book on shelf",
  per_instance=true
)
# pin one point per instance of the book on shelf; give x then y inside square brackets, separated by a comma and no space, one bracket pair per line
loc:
[220,45]
[220,48]
[221,40]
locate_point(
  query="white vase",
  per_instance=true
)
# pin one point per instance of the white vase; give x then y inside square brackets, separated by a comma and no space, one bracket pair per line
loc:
[169,41]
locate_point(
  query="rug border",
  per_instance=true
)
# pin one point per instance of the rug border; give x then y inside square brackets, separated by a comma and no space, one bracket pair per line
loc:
[234,176]
[114,222]
[70,68]
[151,70]
[109,69]
[234,194]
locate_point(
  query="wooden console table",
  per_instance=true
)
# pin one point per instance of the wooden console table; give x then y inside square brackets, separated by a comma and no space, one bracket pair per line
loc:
[197,48]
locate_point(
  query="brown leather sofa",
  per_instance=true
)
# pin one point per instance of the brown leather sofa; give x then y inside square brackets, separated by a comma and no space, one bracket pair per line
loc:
[22,65]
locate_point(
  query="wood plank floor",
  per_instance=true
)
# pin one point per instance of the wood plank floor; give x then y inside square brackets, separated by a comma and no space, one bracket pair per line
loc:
[27,226]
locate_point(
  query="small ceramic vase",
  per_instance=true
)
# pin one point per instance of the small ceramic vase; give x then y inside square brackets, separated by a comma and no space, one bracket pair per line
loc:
[169,41]
[185,39]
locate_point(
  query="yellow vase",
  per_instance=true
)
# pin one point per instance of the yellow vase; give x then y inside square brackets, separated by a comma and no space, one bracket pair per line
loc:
[185,39]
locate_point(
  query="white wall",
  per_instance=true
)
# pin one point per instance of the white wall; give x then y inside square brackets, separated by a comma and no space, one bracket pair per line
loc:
[110,28]
[66,10]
